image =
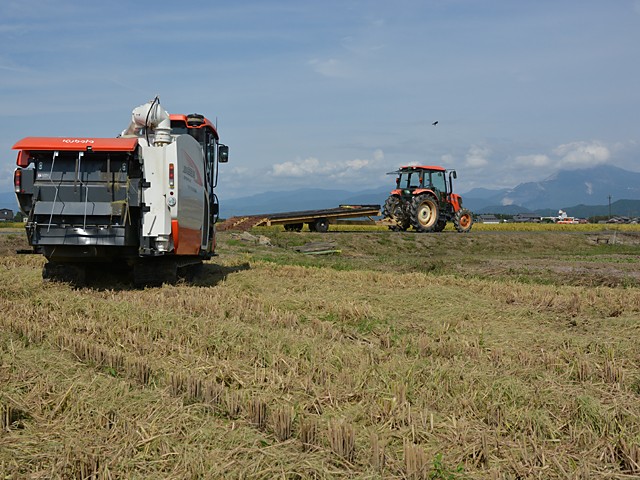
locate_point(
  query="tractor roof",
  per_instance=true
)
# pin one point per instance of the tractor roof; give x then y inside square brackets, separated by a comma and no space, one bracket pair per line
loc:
[422,167]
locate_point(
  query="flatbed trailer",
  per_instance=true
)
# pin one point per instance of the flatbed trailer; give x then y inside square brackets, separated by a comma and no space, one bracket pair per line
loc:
[317,220]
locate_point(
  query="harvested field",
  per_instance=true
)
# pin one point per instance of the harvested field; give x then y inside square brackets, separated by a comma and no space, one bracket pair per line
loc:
[487,355]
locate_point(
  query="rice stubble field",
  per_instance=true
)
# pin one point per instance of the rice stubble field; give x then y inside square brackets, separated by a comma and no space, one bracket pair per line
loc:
[495,354]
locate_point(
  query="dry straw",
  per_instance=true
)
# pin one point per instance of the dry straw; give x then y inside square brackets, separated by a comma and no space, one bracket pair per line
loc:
[282,422]
[416,465]
[285,370]
[342,439]
[308,433]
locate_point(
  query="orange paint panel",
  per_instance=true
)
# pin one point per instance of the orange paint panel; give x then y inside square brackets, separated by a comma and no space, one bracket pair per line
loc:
[455,201]
[175,230]
[77,144]
[183,118]
[189,239]
[418,191]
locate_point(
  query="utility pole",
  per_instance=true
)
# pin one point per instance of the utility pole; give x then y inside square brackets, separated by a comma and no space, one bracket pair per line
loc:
[609,207]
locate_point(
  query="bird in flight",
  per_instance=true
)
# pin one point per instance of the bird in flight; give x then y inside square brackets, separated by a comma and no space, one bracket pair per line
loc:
[435,123]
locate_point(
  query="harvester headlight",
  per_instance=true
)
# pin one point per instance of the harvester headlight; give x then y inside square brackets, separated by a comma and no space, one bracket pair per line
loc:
[163,243]
[171,201]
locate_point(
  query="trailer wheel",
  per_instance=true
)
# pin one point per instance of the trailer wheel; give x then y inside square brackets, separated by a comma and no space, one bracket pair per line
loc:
[293,227]
[321,225]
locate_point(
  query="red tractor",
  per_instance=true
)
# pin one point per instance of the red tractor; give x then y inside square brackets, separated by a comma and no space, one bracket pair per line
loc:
[424,200]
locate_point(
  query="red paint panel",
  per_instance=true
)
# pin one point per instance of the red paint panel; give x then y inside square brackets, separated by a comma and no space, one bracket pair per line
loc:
[77,144]
[23,159]
[426,167]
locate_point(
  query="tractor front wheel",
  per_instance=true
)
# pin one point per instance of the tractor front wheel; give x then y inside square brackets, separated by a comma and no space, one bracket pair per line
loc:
[463,220]
[424,213]
[393,210]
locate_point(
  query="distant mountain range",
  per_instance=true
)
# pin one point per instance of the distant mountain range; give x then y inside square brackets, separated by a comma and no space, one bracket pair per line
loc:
[581,193]
[301,199]
[589,186]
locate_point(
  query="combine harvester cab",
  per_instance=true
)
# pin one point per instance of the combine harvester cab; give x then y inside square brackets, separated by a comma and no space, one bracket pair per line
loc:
[144,201]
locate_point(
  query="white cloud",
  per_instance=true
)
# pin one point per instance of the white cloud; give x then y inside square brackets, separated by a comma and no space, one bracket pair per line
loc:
[533,160]
[238,171]
[507,201]
[447,159]
[298,168]
[589,186]
[582,154]
[332,170]
[477,157]
[357,164]
[330,68]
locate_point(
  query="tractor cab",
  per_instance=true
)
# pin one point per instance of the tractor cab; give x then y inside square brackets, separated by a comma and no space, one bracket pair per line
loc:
[409,178]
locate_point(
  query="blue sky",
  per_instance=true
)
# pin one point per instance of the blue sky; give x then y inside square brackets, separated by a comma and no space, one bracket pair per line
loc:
[334,94]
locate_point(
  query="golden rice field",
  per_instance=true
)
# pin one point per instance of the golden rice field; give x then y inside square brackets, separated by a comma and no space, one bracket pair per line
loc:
[508,227]
[492,354]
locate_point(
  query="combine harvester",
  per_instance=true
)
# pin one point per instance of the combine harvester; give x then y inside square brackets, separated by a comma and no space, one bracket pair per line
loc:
[144,201]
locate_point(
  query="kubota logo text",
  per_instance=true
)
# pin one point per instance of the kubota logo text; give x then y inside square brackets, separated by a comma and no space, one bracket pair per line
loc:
[77,140]
[191,169]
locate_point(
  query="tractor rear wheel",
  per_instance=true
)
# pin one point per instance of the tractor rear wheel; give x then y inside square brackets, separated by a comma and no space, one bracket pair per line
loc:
[393,210]
[424,213]
[463,220]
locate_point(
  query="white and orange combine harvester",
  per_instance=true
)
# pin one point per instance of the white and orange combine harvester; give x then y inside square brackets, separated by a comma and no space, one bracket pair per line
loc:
[143,201]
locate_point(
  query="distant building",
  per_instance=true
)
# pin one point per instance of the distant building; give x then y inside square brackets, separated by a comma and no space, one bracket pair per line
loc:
[488,219]
[527,217]
[6,215]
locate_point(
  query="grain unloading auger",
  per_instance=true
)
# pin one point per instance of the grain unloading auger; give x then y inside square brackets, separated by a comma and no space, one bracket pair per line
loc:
[143,201]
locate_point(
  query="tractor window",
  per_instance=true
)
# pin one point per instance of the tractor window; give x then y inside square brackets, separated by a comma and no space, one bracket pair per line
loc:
[438,181]
[414,181]
[403,180]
